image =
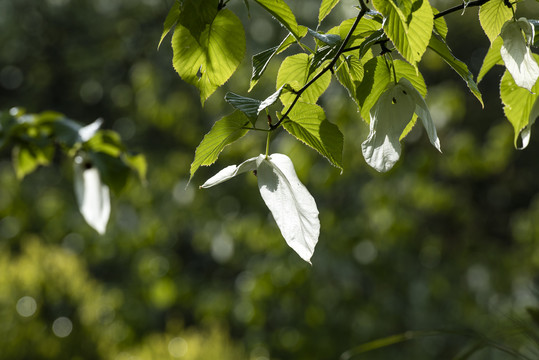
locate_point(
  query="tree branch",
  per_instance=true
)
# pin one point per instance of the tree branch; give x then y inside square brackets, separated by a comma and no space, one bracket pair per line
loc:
[363,10]
[460,7]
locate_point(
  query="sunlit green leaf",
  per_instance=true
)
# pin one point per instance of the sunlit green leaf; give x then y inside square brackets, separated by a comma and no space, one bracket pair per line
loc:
[492,15]
[209,61]
[224,132]
[307,122]
[350,73]
[137,162]
[294,70]
[518,105]
[493,57]
[438,45]
[325,9]
[29,156]
[171,20]
[409,25]
[440,25]
[281,11]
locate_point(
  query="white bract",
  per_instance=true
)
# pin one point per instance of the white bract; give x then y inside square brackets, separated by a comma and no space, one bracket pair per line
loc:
[289,201]
[389,117]
[526,132]
[517,37]
[92,195]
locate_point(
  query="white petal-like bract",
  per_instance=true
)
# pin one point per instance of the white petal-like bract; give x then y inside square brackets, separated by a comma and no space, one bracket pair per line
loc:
[88,131]
[229,172]
[389,117]
[292,206]
[93,196]
[526,132]
[515,51]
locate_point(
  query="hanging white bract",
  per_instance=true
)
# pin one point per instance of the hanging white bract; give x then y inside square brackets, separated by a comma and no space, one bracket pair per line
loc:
[389,117]
[517,37]
[292,206]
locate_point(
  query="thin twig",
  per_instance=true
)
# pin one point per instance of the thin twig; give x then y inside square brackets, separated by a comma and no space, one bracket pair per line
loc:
[460,7]
[363,10]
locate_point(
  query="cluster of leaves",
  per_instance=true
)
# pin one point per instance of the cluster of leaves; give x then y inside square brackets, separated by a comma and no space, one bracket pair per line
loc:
[359,54]
[100,159]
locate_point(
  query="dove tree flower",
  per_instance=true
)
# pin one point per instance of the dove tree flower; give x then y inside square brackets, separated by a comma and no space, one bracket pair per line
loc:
[517,36]
[388,119]
[292,206]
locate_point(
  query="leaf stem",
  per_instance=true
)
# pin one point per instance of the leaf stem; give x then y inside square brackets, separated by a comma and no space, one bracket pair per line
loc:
[267,144]
[363,10]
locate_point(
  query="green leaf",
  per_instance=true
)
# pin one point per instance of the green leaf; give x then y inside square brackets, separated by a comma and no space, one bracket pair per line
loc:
[171,20]
[196,15]
[492,15]
[440,25]
[251,107]
[208,61]
[106,141]
[224,132]
[261,60]
[294,71]
[493,57]
[329,39]
[350,73]
[307,123]
[409,26]
[113,171]
[325,9]
[438,45]
[281,11]
[27,157]
[137,163]
[378,77]
[518,105]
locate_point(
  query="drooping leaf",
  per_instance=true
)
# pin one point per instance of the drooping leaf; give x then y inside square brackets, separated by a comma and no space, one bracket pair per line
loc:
[377,78]
[329,39]
[170,21]
[308,123]
[325,9]
[92,195]
[517,37]
[518,105]
[294,71]
[409,25]
[493,57]
[350,73]
[224,132]
[137,162]
[252,107]
[438,45]
[262,59]
[229,172]
[281,11]
[292,206]
[492,15]
[208,62]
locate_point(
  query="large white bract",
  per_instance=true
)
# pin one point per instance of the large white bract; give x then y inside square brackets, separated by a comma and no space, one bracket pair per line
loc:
[517,37]
[93,197]
[292,206]
[389,117]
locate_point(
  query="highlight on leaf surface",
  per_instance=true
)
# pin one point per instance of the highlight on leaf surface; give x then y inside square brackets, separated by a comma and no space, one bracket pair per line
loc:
[292,206]
[517,38]
[389,118]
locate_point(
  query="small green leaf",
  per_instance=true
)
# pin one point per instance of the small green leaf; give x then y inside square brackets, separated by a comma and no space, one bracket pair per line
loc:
[329,39]
[493,57]
[252,107]
[440,25]
[208,61]
[137,162]
[307,123]
[438,45]
[281,11]
[349,73]
[27,157]
[294,70]
[378,77]
[409,25]
[325,9]
[224,132]
[261,60]
[492,15]
[170,21]
[518,105]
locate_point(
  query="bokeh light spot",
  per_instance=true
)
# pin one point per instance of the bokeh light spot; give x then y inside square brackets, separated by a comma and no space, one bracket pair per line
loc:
[177,347]
[26,306]
[62,327]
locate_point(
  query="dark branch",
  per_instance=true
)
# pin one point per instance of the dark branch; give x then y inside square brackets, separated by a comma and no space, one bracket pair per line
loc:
[460,7]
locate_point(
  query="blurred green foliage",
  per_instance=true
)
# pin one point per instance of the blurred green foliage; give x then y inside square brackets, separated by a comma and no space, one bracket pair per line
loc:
[442,241]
